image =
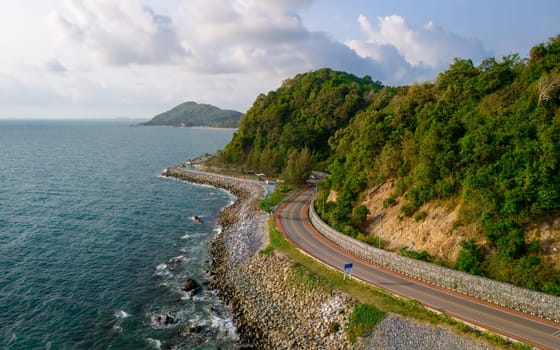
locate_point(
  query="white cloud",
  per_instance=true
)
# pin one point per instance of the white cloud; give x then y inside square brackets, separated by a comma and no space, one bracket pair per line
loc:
[257,37]
[55,66]
[426,51]
[118,32]
[123,58]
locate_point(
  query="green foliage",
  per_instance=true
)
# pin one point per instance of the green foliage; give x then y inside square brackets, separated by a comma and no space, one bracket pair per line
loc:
[302,114]
[389,202]
[359,215]
[420,216]
[298,167]
[370,239]
[423,255]
[408,209]
[363,320]
[470,258]
[334,327]
[486,136]
[552,288]
[194,114]
[272,199]
[507,236]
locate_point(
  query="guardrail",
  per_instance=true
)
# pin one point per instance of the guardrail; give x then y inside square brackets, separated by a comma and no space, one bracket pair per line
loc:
[504,294]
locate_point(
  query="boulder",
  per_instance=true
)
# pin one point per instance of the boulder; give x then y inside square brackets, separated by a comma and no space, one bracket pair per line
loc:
[192,286]
[193,329]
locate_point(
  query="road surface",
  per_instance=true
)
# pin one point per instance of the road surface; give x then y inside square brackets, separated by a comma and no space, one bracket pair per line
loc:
[292,219]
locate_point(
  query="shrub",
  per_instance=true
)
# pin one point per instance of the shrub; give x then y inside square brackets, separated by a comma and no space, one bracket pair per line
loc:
[470,258]
[363,320]
[423,255]
[334,327]
[359,216]
[389,202]
[552,288]
[370,239]
[420,216]
[408,209]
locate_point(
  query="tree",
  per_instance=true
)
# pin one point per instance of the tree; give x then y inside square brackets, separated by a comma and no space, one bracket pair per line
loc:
[470,258]
[298,167]
[359,215]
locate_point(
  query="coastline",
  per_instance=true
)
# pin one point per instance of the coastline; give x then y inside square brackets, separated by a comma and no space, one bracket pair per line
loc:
[270,307]
[201,127]
[244,230]
[243,234]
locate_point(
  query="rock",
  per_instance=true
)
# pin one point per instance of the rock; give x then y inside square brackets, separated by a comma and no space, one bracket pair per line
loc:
[192,286]
[193,329]
[167,320]
[156,320]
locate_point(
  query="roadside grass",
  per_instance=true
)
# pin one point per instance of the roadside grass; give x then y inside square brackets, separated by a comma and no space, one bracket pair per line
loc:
[272,199]
[363,321]
[372,302]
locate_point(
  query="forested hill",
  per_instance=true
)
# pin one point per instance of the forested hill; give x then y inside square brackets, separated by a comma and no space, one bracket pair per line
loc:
[485,137]
[195,114]
[298,118]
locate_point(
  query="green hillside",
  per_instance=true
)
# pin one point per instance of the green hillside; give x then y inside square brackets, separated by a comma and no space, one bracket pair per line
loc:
[195,114]
[299,118]
[485,137]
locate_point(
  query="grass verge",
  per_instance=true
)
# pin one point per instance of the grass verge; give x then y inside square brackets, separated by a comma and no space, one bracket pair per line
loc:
[372,302]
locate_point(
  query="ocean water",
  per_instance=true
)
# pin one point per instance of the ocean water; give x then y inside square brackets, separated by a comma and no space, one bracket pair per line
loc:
[95,245]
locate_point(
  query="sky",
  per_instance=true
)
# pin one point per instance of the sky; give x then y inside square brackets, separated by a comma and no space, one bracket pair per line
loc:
[137,58]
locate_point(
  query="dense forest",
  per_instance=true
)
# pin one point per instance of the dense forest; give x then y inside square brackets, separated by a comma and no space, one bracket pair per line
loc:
[486,136]
[294,123]
[190,114]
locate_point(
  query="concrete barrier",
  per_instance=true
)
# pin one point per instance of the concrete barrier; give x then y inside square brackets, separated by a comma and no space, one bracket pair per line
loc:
[504,294]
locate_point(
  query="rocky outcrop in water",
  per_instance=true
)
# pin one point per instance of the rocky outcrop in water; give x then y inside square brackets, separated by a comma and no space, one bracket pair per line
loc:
[192,286]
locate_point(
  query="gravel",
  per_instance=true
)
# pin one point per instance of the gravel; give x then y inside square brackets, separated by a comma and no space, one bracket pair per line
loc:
[395,333]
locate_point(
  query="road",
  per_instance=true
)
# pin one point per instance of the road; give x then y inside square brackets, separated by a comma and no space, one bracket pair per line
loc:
[292,220]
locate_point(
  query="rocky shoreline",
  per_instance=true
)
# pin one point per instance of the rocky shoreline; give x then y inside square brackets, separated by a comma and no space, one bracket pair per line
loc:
[272,309]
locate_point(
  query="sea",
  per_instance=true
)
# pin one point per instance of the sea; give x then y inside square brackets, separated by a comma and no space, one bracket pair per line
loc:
[95,245]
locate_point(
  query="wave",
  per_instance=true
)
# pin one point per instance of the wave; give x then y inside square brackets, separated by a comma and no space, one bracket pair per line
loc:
[225,327]
[122,314]
[154,342]
[185,236]
[178,260]
[162,271]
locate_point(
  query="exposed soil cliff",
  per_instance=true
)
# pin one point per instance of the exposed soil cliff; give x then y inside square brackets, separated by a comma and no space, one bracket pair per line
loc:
[438,232]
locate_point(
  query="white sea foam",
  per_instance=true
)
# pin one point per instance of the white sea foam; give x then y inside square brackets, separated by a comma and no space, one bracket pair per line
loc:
[178,260]
[190,296]
[186,236]
[154,342]
[225,327]
[122,314]
[162,270]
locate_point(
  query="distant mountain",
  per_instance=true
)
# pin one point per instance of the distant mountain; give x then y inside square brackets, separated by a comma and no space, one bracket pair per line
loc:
[195,114]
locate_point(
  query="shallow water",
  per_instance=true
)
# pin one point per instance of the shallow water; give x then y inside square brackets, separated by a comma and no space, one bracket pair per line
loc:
[95,245]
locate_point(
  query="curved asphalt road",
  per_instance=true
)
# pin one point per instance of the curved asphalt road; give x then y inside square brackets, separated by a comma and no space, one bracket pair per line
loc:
[292,219]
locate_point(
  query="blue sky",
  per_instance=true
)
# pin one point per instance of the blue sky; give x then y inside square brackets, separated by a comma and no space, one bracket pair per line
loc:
[136,58]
